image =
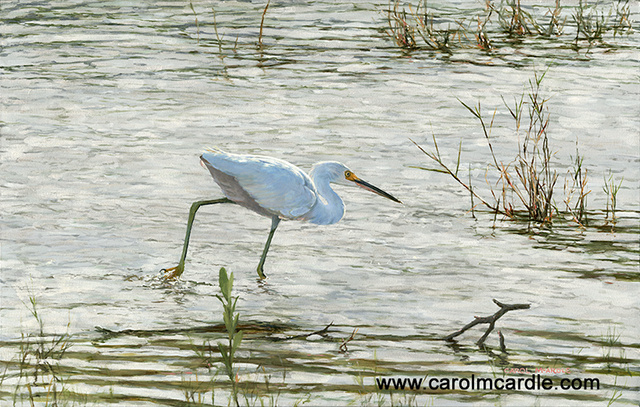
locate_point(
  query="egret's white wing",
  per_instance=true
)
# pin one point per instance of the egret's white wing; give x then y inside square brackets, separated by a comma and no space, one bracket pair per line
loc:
[265,185]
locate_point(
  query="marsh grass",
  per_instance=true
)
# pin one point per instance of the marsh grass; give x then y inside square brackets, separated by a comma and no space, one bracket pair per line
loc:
[195,391]
[38,379]
[518,22]
[400,28]
[523,188]
[234,339]
[264,13]
[215,30]
[250,389]
[575,188]
[436,38]
[614,364]
[591,23]
[528,180]
[505,22]
[195,15]
[611,189]
[375,396]
[513,19]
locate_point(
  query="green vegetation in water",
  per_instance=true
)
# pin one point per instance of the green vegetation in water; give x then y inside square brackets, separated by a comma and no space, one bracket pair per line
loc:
[231,323]
[505,25]
[575,189]
[249,392]
[101,364]
[35,369]
[611,189]
[524,189]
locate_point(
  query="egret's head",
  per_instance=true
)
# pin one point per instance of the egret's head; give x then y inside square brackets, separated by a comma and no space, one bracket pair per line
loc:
[340,174]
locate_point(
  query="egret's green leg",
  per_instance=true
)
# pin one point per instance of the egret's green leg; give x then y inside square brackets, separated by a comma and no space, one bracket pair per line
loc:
[176,271]
[274,225]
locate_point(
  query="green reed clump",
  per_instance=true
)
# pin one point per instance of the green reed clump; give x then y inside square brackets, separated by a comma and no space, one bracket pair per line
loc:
[576,187]
[524,187]
[611,189]
[620,22]
[590,23]
[505,22]
[255,389]
[401,30]
[513,20]
[436,38]
[533,165]
[230,317]
[529,177]
[195,15]
[517,22]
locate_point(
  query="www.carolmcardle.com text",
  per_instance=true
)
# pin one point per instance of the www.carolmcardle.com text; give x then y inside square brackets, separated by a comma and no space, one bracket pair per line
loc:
[533,382]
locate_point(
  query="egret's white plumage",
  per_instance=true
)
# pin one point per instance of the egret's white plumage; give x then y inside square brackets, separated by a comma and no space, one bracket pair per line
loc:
[273,187]
[277,189]
[266,185]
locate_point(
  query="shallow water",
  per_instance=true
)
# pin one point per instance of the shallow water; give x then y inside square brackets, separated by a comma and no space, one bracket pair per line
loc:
[105,109]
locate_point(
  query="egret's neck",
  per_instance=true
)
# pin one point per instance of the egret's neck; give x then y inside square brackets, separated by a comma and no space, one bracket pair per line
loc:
[328,208]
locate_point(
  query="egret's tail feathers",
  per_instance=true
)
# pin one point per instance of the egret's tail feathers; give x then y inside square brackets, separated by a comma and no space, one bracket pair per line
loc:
[215,150]
[209,150]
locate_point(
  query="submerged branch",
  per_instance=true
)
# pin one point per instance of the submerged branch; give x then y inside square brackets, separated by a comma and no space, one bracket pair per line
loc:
[491,320]
[322,332]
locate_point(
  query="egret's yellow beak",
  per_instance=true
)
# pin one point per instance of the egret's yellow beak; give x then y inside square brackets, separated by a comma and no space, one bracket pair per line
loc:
[365,185]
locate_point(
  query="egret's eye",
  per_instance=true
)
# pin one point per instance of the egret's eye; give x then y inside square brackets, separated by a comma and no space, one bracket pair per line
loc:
[348,174]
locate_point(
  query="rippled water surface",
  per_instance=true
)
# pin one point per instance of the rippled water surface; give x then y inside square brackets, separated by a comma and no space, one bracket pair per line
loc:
[106,107]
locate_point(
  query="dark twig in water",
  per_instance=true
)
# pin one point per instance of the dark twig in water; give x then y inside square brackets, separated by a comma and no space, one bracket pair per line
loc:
[343,346]
[322,332]
[491,320]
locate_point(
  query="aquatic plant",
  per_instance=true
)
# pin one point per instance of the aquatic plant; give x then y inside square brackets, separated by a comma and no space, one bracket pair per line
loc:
[611,189]
[195,15]
[38,365]
[517,22]
[523,188]
[400,29]
[502,24]
[264,12]
[442,39]
[621,23]
[482,37]
[534,179]
[533,164]
[230,318]
[590,25]
[513,20]
[195,391]
[215,30]
[576,183]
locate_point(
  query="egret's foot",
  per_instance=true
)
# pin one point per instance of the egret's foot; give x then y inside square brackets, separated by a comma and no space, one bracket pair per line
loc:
[173,272]
[260,271]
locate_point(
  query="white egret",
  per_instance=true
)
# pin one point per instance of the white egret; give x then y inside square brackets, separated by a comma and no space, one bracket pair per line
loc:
[276,189]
